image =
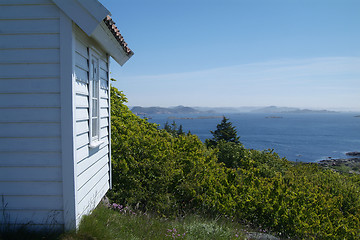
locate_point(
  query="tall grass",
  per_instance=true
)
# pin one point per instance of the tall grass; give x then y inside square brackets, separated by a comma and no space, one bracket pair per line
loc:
[105,223]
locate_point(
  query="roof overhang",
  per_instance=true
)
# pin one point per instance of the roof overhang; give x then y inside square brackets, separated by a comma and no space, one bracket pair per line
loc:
[90,16]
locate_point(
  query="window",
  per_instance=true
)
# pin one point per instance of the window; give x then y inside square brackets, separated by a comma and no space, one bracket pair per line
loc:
[94,101]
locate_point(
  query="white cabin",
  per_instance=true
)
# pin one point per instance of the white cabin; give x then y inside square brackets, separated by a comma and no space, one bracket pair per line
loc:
[55,109]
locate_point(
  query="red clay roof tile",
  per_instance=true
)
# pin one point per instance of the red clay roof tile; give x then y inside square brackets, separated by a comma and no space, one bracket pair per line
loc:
[116,32]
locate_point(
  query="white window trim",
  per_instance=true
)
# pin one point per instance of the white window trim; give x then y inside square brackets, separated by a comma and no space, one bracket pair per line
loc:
[94,141]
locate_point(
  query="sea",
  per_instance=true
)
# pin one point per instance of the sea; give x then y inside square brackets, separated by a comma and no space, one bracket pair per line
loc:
[302,137]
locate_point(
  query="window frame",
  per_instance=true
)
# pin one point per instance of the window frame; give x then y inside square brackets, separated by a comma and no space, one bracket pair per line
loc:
[94,84]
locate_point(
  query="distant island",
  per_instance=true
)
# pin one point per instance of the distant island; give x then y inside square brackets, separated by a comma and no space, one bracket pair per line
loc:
[145,111]
[200,117]
[274,109]
[162,110]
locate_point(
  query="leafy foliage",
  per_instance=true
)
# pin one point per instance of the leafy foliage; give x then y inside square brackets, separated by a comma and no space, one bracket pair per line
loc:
[153,169]
[176,174]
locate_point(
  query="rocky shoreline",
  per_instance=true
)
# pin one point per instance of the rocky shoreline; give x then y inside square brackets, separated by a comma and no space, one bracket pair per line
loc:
[343,165]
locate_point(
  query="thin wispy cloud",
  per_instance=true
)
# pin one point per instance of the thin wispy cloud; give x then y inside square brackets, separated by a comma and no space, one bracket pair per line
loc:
[319,81]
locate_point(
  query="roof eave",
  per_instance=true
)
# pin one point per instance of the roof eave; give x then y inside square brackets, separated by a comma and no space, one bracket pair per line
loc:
[110,44]
[87,15]
[90,15]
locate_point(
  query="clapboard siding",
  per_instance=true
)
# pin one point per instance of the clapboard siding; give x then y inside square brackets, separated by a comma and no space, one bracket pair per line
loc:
[34,202]
[81,48]
[30,174]
[30,144]
[104,103]
[30,131]
[30,159]
[104,112]
[82,140]
[39,85]
[82,113]
[29,12]
[29,100]
[92,170]
[37,41]
[104,131]
[82,100]
[29,55]
[103,84]
[104,65]
[99,174]
[24,2]
[81,75]
[82,127]
[81,61]
[84,152]
[85,164]
[30,217]
[104,93]
[30,70]
[30,115]
[90,201]
[103,74]
[30,188]
[82,88]
[104,122]
[31,26]
[93,164]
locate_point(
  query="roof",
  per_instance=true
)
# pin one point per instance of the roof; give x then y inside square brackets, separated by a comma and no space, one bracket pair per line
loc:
[116,32]
[93,18]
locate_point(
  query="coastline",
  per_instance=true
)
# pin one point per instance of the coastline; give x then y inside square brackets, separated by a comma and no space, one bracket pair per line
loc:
[343,165]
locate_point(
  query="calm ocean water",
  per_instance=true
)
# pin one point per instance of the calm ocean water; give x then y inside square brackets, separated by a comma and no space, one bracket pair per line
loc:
[297,136]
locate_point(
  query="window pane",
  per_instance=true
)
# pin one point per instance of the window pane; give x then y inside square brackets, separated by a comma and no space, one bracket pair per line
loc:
[97,88]
[95,127]
[95,108]
[94,97]
[94,69]
[93,87]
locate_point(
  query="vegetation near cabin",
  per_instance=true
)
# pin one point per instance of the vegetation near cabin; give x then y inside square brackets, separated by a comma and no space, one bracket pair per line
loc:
[171,175]
[176,187]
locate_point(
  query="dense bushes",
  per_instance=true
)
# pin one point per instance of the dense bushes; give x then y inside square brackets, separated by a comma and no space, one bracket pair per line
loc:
[155,170]
[176,174]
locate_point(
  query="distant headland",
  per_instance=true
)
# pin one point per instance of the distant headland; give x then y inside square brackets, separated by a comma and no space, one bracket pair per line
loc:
[221,110]
[162,110]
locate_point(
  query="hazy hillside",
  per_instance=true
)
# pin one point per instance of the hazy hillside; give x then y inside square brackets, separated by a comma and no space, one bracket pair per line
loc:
[195,110]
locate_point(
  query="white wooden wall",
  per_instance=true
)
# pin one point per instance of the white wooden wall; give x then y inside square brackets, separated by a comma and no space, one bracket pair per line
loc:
[93,165]
[30,149]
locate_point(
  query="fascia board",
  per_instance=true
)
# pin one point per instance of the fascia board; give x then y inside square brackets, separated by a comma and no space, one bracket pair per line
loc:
[97,10]
[86,14]
[108,42]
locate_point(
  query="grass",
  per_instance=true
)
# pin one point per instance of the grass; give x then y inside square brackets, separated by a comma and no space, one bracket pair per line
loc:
[24,233]
[343,168]
[105,223]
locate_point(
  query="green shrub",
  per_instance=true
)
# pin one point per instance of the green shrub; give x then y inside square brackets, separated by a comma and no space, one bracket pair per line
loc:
[173,175]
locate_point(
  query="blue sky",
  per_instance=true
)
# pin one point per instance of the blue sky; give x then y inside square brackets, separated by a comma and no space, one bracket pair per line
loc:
[231,53]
